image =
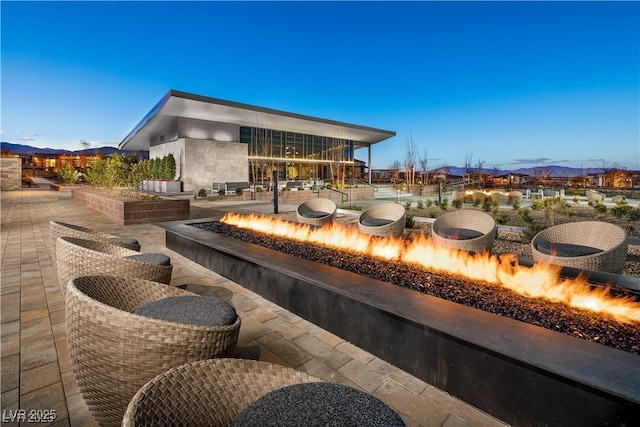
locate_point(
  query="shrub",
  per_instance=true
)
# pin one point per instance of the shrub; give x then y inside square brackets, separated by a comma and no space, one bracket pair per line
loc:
[531,231]
[259,189]
[300,188]
[456,203]
[503,218]
[576,199]
[68,175]
[444,204]
[202,192]
[239,191]
[420,204]
[409,222]
[634,214]
[537,204]
[221,192]
[428,203]
[599,206]
[486,205]
[476,202]
[526,215]
[357,207]
[407,204]
[26,180]
[494,207]
[516,205]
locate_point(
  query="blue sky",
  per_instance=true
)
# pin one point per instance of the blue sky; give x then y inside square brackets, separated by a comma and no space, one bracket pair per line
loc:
[514,84]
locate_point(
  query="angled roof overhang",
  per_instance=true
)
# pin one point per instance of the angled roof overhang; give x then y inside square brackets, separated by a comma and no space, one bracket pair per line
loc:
[181,104]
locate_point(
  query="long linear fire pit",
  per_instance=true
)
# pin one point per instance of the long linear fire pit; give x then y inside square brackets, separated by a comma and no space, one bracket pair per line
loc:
[522,374]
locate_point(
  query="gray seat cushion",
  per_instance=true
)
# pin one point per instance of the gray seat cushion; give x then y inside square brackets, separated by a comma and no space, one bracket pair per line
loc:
[318,404]
[375,222]
[151,258]
[314,214]
[190,309]
[126,240]
[566,249]
[459,233]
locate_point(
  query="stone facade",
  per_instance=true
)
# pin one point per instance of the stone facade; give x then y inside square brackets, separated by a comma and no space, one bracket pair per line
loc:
[10,173]
[199,163]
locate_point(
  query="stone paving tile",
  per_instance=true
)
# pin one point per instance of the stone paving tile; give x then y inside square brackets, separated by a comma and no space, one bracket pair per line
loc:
[10,307]
[37,352]
[398,375]
[39,377]
[366,378]
[319,369]
[357,353]
[10,343]
[404,401]
[10,371]
[322,351]
[293,355]
[46,398]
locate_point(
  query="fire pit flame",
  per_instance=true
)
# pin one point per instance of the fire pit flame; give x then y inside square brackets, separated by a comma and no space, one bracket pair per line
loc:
[543,280]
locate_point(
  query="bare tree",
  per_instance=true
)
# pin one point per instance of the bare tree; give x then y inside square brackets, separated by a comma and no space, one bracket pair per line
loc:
[424,166]
[468,165]
[395,170]
[410,160]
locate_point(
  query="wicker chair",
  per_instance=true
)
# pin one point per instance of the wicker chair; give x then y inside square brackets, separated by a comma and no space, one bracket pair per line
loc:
[386,219]
[609,239]
[445,228]
[114,352]
[80,257]
[514,196]
[501,198]
[207,393]
[61,229]
[318,211]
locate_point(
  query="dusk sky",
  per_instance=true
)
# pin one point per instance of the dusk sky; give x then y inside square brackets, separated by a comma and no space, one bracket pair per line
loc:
[514,84]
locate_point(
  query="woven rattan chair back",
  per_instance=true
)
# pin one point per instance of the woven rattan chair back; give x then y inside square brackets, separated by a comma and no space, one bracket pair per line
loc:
[62,229]
[394,213]
[466,219]
[609,238]
[114,352]
[207,393]
[81,257]
[319,204]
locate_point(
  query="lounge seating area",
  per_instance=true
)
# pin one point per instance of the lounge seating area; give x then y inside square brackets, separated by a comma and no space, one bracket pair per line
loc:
[131,336]
[586,245]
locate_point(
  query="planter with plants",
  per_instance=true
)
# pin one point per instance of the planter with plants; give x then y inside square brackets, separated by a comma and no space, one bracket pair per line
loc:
[115,191]
[158,175]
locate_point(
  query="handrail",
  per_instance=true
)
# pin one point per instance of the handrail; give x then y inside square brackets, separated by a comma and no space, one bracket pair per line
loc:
[343,194]
[357,182]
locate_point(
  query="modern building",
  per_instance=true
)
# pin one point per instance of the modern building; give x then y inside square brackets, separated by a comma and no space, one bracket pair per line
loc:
[214,140]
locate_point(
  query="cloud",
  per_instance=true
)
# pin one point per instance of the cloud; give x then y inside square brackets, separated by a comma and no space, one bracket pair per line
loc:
[530,161]
[25,138]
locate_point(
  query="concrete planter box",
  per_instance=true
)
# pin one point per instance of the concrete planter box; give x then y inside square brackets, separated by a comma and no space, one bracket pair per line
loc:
[132,211]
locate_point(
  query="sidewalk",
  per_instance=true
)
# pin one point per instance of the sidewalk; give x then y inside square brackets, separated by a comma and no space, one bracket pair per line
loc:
[36,371]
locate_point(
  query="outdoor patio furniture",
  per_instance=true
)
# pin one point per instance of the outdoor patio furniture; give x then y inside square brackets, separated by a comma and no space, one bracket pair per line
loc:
[501,198]
[317,211]
[593,196]
[81,257]
[466,229]
[60,229]
[586,245]
[478,195]
[114,351]
[386,219]
[514,196]
[208,392]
